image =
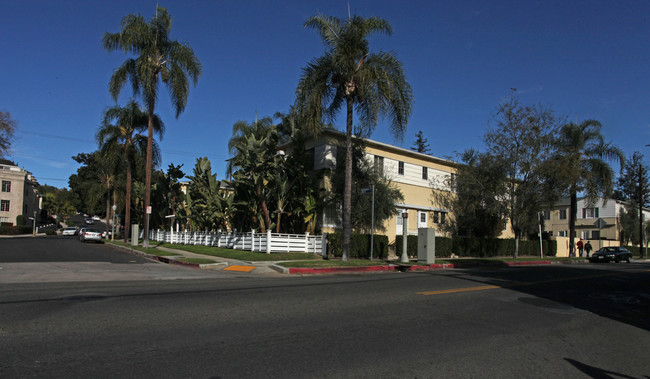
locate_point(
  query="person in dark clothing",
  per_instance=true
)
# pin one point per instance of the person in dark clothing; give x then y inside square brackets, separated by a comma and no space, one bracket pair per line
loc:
[588,248]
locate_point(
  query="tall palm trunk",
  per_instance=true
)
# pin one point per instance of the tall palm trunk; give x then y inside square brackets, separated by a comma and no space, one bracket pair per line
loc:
[573,213]
[127,201]
[147,176]
[108,208]
[347,189]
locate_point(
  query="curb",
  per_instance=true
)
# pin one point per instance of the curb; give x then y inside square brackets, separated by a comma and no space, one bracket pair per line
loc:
[401,268]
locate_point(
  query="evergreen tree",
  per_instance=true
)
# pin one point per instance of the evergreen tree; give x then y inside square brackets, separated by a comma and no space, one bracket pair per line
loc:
[421,145]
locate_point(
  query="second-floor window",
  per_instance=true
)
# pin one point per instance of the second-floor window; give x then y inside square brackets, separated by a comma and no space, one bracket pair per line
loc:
[4,205]
[590,213]
[562,214]
[547,215]
[425,173]
[6,186]
[439,217]
[400,168]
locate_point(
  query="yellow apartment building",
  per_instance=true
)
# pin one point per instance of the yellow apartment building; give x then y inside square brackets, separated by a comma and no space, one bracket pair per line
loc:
[416,175]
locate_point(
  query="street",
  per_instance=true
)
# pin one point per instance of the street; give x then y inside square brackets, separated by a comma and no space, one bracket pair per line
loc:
[542,321]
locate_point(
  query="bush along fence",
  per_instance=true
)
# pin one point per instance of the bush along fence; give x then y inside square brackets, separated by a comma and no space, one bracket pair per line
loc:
[359,245]
[479,247]
[260,242]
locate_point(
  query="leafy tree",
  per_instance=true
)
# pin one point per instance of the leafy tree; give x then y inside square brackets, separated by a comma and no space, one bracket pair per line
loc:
[254,158]
[121,132]
[520,142]
[86,185]
[158,58]
[7,128]
[365,176]
[421,145]
[582,166]
[349,75]
[206,198]
[478,200]
[633,186]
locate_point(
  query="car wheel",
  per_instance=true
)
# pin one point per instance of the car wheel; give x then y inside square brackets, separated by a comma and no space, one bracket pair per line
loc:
[627,259]
[616,260]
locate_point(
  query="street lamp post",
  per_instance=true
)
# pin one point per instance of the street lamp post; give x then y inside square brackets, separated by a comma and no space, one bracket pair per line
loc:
[405,257]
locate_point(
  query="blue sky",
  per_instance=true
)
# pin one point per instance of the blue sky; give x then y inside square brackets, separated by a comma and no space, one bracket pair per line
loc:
[585,59]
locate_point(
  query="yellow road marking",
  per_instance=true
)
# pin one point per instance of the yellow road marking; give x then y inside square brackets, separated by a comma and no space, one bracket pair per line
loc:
[239,268]
[456,290]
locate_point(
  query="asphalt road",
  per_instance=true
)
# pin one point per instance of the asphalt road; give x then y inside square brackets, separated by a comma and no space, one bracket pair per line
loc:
[566,321]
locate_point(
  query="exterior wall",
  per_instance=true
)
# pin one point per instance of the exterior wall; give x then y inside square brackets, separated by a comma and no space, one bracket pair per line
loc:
[417,191]
[22,196]
[586,220]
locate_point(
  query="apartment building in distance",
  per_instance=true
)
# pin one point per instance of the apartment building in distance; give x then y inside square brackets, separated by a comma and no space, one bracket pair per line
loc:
[416,175]
[594,222]
[18,194]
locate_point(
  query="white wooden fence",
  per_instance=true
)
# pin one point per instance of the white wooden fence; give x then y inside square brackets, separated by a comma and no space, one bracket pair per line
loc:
[251,241]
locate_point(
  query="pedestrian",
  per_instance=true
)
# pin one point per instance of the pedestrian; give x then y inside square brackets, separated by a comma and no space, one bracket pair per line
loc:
[580,246]
[588,248]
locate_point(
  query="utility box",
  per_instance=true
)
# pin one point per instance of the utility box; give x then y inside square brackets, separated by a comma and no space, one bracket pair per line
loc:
[134,235]
[427,245]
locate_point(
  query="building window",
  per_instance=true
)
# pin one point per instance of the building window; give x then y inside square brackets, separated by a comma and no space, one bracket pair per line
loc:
[400,168]
[4,219]
[425,173]
[6,186]
[590,213]
[4,205]
[439,217]
[547,215]
[584,234]
[331,216]
[562,214]
[562,233]
[595,234]
[379,165]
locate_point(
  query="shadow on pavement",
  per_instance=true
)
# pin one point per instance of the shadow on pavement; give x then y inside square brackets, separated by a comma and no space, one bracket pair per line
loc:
[618,293]
[595,372]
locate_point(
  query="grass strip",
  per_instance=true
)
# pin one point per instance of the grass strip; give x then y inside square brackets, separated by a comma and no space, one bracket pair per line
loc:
[242,255]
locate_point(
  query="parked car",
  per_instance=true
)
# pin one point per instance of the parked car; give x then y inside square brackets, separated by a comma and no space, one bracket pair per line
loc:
[91,235]
[96,218]
[70,231]
[89,221]
[611,253]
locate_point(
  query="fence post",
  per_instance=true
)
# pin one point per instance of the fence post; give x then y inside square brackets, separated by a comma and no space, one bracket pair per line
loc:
[268,242]
[307,242]
[253,240]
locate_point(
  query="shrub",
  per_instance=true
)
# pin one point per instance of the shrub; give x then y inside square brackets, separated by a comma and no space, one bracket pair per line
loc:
[50,232]
[479,247]
[20,220]
[359,245]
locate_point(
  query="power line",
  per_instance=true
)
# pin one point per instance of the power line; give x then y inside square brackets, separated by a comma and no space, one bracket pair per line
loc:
[172,152]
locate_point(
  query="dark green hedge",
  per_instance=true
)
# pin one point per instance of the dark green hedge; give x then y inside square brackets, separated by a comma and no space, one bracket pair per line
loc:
[479,247]
[636,251]
[359,246]
[14,230]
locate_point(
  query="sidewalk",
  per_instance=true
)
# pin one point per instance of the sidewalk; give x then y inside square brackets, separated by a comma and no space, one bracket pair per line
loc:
[266,267]
[220,263]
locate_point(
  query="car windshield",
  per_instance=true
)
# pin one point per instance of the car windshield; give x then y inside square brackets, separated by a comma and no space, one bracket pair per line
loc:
[92,230]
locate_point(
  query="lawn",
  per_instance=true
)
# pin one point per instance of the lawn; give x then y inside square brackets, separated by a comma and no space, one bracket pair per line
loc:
[241,254]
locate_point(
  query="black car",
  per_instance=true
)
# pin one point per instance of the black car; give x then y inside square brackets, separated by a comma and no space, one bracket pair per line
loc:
[611,253]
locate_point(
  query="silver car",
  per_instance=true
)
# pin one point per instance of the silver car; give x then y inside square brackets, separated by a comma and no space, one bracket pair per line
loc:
[91,235]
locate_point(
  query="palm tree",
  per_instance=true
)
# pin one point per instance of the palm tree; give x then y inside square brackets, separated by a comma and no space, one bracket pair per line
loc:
[253,147]
[583,166]
[157,58]
[349,75]
[125,135]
